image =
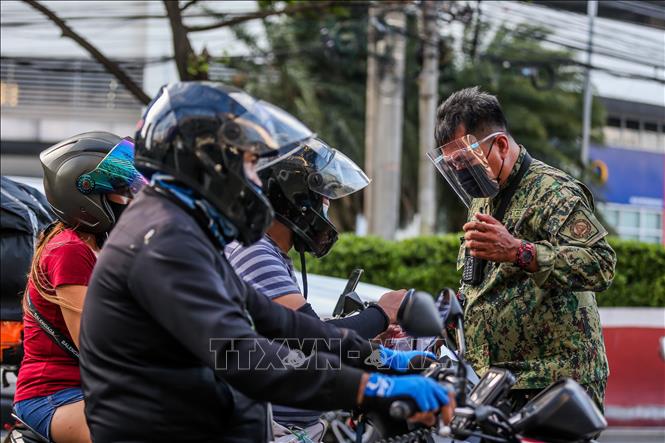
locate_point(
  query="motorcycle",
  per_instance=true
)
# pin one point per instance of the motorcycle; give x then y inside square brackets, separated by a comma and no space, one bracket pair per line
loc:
[561,413]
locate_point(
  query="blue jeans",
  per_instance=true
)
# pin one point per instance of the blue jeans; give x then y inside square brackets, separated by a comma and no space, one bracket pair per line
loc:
[38,412]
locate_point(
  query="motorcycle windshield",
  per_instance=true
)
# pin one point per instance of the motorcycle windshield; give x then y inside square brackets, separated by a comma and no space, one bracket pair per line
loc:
[115,173]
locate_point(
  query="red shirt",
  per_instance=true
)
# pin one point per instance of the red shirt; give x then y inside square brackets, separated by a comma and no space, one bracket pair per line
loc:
[46,368]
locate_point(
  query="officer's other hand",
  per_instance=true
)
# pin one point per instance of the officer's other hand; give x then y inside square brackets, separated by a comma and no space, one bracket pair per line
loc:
[390,303]
[488,239]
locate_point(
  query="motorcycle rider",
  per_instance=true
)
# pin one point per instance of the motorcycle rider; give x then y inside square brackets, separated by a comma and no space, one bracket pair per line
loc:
[88,182]
[174,346]
[300,187]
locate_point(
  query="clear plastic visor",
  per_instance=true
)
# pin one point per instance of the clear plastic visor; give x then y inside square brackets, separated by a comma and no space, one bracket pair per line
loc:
[332,175]
[461,160]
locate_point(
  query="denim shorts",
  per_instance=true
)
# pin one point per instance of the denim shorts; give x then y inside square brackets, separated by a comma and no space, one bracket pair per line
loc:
[38,412]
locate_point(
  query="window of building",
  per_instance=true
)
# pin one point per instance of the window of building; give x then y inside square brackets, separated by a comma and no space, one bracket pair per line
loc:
[629,219]
[614,122]
[634,223]
[651,126]
[633,124]
[653,220]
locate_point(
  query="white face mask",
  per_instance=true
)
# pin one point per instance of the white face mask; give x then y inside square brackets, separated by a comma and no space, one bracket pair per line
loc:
[325,208]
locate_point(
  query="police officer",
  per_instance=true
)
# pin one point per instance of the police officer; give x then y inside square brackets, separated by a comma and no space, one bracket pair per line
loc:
[174,346]
[530,304]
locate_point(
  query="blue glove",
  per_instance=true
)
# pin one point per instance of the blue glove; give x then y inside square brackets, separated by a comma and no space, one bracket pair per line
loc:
[381,390]
[399,360]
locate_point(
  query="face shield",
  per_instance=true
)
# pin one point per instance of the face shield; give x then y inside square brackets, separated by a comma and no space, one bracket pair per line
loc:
[114,174]
[331,173]
[260,127]
[464,165]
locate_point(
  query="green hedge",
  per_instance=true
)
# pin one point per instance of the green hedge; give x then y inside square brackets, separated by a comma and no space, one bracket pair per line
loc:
[428,263]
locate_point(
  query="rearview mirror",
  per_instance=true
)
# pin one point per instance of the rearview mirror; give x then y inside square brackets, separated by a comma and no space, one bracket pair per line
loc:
[449,306]
[419,316]
[348,304]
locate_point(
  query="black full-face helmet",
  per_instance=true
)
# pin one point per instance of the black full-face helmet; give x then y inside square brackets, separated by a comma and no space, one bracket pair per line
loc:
[81,171]
[297,185]
[198,132]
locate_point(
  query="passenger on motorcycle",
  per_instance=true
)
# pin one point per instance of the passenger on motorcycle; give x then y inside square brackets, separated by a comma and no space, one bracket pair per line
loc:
[300,187]
[174,346]
[87,191]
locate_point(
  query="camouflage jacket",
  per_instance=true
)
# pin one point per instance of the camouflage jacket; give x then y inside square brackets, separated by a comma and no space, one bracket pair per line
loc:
[545,325]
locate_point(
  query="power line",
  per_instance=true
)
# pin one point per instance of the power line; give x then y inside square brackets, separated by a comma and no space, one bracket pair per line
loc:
[573,43]
[569,22]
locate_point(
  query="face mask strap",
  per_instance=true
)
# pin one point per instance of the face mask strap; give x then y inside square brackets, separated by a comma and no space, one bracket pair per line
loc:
[495,135]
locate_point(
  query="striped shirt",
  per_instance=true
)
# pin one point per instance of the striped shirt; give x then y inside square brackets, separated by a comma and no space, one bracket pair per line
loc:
[270,271]
[263,266]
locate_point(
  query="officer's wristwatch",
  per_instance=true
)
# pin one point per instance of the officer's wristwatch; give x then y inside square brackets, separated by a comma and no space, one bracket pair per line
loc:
[525,254]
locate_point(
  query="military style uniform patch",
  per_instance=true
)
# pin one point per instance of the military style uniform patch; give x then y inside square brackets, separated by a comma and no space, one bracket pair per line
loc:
[582,227]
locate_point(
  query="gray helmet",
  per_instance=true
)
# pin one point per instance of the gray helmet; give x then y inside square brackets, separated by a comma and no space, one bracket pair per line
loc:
[68,185]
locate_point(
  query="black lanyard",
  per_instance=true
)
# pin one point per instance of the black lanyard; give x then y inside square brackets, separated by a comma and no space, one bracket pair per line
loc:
[508,192]
[58,337]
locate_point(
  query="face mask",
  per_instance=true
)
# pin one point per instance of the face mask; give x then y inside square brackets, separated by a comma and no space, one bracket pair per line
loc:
[324,210]
[476,182]
[117,209]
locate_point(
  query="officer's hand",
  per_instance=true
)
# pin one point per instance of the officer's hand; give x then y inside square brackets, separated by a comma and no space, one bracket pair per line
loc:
[390,303]
[427,395]
[488,239]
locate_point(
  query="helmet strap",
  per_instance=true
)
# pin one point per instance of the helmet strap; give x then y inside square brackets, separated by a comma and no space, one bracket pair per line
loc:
[300,247]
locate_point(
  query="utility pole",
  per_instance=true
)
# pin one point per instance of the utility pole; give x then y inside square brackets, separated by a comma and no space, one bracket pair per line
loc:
[592,9]
[428,95]
[384,116]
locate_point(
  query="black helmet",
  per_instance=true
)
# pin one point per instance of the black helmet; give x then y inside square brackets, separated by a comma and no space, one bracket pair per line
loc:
[80,171]
[297,184]
[197,132]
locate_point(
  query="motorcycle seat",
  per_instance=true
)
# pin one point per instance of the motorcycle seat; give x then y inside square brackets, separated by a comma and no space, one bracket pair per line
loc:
[22,432]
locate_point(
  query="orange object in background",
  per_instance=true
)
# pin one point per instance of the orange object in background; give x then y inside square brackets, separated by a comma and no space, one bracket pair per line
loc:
[11,336]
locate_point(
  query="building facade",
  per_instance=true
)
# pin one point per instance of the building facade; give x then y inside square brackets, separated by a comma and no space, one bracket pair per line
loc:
[630,167]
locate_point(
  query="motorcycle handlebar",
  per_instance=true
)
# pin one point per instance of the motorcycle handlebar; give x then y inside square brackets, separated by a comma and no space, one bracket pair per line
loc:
[402,409]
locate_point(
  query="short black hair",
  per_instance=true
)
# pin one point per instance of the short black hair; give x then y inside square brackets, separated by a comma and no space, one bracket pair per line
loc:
[475,109]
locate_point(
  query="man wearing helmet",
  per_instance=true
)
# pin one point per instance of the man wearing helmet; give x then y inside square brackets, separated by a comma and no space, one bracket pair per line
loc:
[299,188]
[174,346]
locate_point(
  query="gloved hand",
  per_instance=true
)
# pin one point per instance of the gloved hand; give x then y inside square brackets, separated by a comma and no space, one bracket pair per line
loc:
[402,361]
[381,390]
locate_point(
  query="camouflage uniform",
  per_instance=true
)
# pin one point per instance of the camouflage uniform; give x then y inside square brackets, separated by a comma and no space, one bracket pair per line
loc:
[544,326]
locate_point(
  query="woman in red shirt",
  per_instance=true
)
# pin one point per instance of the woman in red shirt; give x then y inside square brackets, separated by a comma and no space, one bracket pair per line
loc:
[88,180]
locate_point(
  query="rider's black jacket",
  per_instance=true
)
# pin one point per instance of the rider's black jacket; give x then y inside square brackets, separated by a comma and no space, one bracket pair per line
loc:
[173,343]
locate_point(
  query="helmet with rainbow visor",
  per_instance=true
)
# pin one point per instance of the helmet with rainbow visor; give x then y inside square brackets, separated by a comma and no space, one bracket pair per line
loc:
[81,171]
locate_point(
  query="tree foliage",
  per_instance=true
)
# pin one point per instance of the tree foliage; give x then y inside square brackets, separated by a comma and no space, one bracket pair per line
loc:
[314,65]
